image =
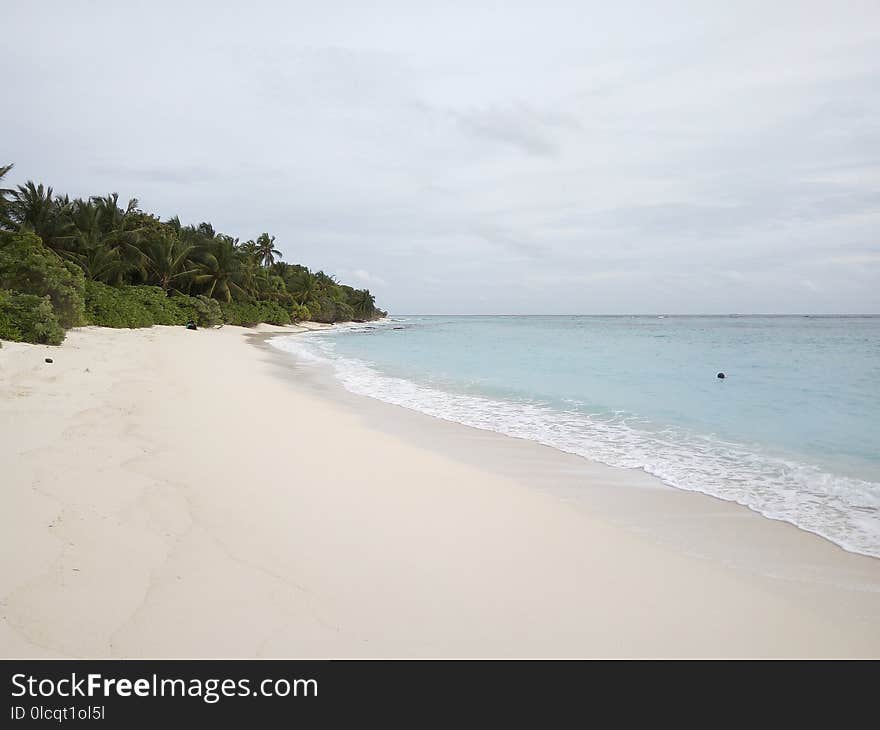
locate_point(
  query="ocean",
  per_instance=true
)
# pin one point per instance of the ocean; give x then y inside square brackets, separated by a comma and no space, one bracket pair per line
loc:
[792,431]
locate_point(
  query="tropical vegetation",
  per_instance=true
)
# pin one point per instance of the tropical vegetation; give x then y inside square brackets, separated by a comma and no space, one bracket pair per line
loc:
[66,263]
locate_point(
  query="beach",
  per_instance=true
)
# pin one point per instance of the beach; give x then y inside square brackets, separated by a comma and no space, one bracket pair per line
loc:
[176,493]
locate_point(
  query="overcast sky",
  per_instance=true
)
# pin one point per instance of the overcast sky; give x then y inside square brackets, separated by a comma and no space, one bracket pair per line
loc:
[540,157]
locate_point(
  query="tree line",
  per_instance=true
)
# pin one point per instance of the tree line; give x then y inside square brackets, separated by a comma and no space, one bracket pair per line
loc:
[96,261]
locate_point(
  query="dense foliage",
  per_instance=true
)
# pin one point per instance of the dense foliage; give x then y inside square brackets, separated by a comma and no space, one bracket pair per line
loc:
[28,318]
[29,267]
[68,262]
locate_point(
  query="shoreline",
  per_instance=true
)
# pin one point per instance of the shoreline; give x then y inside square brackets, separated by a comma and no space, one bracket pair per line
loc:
[156,522]
[829,495]
[687,521]
[597,470]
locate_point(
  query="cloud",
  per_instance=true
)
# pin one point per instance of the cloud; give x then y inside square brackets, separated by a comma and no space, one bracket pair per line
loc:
[365,277]
[519,126]
[178,175]
[651,159]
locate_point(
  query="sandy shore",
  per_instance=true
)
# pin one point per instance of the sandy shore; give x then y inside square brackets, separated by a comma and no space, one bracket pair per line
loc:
[166,493]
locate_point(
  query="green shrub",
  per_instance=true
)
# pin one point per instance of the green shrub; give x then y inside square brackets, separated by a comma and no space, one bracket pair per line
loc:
[202,310]
[329,310]
[27,266]
[300,313]
[144,306]
[209,312]
[344,312]
[325,311]
[29,318]
[274,313]
[131,306]
[248,314]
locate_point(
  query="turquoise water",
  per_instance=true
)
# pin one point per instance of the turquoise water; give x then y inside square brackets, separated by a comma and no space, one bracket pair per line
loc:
[793,431]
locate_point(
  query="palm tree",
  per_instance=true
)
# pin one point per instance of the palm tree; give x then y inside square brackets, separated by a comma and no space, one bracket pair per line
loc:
[205,230]
[122,245]
[303,287]
[266,251]
[84,216]
[248,252]
[363,303]
[254,278]
[99,263]
[174,224]
[5,194]
[120,229]
[327,281]
[112,216]
[167,260]
[218,270]
[34,208]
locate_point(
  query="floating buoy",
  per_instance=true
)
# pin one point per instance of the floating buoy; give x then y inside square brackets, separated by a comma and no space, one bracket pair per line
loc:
[721,376]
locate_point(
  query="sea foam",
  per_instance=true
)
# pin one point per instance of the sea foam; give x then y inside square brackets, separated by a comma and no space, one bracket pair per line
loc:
[842,509]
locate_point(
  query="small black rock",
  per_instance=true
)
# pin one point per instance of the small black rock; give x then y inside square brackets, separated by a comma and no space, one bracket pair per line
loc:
[49,359]
[721,376]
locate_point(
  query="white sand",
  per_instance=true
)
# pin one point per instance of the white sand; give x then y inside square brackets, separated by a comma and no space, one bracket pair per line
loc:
[164,493]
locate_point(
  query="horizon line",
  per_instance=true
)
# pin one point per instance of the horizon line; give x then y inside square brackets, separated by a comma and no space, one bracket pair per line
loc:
[643,314]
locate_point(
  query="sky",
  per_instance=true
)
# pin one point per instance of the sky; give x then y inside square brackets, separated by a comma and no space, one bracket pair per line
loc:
[481,158]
